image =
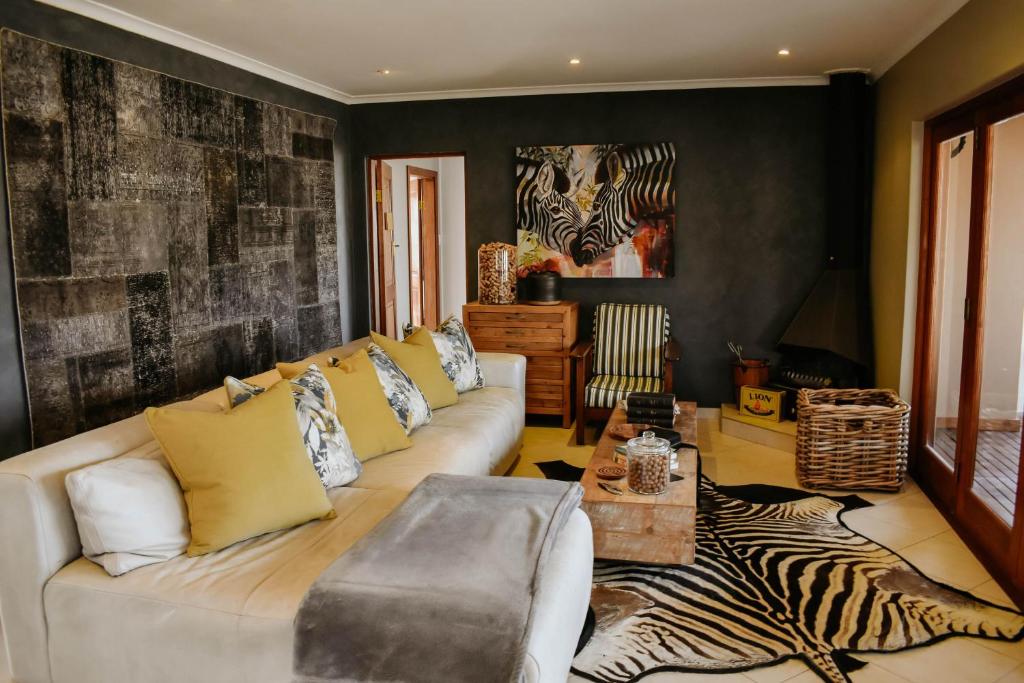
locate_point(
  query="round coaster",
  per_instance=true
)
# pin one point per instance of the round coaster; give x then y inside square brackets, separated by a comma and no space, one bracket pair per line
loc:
[610,472]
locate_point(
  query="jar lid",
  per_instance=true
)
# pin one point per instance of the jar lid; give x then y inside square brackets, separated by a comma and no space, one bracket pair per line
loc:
[648,444]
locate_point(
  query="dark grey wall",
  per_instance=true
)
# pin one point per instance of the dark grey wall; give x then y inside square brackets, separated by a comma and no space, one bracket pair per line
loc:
[750,185]
[750,179]
[74,31]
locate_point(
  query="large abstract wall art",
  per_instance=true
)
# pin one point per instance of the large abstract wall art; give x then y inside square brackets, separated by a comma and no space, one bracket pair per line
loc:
[596,210]
[165,234]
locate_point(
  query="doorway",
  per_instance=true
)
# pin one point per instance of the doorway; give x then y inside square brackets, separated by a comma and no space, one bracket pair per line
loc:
[969,374]
[417,235]
[424,258]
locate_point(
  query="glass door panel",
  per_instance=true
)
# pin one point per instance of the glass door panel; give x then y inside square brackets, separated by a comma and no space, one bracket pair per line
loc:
[954,159]
[997,451]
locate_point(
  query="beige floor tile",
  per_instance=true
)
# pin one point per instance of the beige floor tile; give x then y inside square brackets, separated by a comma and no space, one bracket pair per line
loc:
[777,674]
[878,524]
[676,677]
[712,441]
[914,511]
[871,673]
[991,591]
[956,659]
[946,557]
[1015,676]
[5,672]
[1012,650]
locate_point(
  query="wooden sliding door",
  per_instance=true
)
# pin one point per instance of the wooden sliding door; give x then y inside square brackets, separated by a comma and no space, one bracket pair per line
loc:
[969,376]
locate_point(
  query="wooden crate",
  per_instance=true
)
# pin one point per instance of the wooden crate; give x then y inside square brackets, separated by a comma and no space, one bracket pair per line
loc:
[545,335]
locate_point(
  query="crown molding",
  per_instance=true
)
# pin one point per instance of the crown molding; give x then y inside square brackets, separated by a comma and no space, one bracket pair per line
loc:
[633,86]
[134,24]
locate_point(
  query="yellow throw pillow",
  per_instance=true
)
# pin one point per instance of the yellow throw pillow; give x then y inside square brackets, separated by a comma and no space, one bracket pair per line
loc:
[418,357]
[362,406]
[244,473]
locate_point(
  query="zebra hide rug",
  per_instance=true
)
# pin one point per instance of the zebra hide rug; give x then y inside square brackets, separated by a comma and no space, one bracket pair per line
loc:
[773,581]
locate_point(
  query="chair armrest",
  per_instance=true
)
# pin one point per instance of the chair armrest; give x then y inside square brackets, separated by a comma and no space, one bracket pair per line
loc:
[503,370]
[582,349]
[672,350]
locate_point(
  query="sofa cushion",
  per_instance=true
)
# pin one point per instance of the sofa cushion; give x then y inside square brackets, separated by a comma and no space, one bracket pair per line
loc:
[410,406]
[228,616]
[479,435]
[458,357]
[327,444]
[362,407]
[244,473]
[418,358]
[129,511]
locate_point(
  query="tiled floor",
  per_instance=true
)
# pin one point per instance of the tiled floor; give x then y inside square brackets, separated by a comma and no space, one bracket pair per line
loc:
[906,522]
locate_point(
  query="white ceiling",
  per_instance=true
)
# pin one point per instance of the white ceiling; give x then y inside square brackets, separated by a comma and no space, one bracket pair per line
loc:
[467,48]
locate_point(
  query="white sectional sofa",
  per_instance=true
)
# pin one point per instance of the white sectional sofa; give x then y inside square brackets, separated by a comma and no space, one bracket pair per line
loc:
[227,617]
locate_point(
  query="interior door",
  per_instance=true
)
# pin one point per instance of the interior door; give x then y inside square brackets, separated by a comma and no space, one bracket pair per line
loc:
[969,378]
[429,258]
[385,249]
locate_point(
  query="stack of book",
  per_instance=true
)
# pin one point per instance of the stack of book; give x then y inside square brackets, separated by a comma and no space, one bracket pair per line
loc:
[651,408]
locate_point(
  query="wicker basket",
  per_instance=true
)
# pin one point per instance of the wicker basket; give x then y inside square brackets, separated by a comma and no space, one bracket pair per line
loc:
[851,439]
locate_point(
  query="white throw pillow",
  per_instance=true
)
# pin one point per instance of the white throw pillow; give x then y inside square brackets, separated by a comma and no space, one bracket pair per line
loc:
[130,512]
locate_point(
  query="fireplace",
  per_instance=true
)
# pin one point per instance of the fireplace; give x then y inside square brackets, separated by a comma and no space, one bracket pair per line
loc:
[828,343]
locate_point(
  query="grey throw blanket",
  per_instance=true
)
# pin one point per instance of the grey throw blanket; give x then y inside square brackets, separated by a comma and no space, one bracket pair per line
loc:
[441,590]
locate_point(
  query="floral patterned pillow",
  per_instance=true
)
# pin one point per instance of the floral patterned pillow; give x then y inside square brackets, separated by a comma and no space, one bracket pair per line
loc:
[458,358]
[407,401]
[326,442]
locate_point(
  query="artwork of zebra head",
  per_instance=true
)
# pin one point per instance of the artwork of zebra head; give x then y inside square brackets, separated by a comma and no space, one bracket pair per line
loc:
[542,204]
[635,183]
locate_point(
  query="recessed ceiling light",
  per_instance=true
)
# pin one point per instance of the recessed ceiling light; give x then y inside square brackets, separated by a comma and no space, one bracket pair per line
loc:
[383,72]
[574,61]
[784,52]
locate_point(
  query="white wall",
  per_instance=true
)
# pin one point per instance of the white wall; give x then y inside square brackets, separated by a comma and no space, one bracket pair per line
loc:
[451,221]
[400,209]
[452,209]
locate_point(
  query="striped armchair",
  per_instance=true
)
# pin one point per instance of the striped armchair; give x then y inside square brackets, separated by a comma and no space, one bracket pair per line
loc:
[631,350]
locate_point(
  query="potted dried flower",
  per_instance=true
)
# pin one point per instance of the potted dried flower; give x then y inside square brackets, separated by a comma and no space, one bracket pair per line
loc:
[747,371]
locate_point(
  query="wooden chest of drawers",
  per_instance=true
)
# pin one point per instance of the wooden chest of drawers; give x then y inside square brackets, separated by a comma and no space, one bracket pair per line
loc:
[545,335]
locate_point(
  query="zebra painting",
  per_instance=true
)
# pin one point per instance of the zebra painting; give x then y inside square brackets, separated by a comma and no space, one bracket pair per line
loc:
[596,210]
[635,183]
[542,205]
[773,581]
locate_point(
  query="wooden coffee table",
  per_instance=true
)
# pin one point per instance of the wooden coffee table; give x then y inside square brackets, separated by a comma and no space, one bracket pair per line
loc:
[657,529]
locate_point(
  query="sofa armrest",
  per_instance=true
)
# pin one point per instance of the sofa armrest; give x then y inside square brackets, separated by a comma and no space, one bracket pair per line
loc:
[38,534]
[504,370]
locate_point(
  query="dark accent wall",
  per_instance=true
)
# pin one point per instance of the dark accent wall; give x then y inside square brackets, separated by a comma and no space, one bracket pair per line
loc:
[750,217]
[750,182]
[77,32]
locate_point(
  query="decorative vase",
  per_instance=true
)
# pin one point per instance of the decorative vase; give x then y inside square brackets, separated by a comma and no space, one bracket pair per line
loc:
[750,372]
[496,273]
[545,288]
